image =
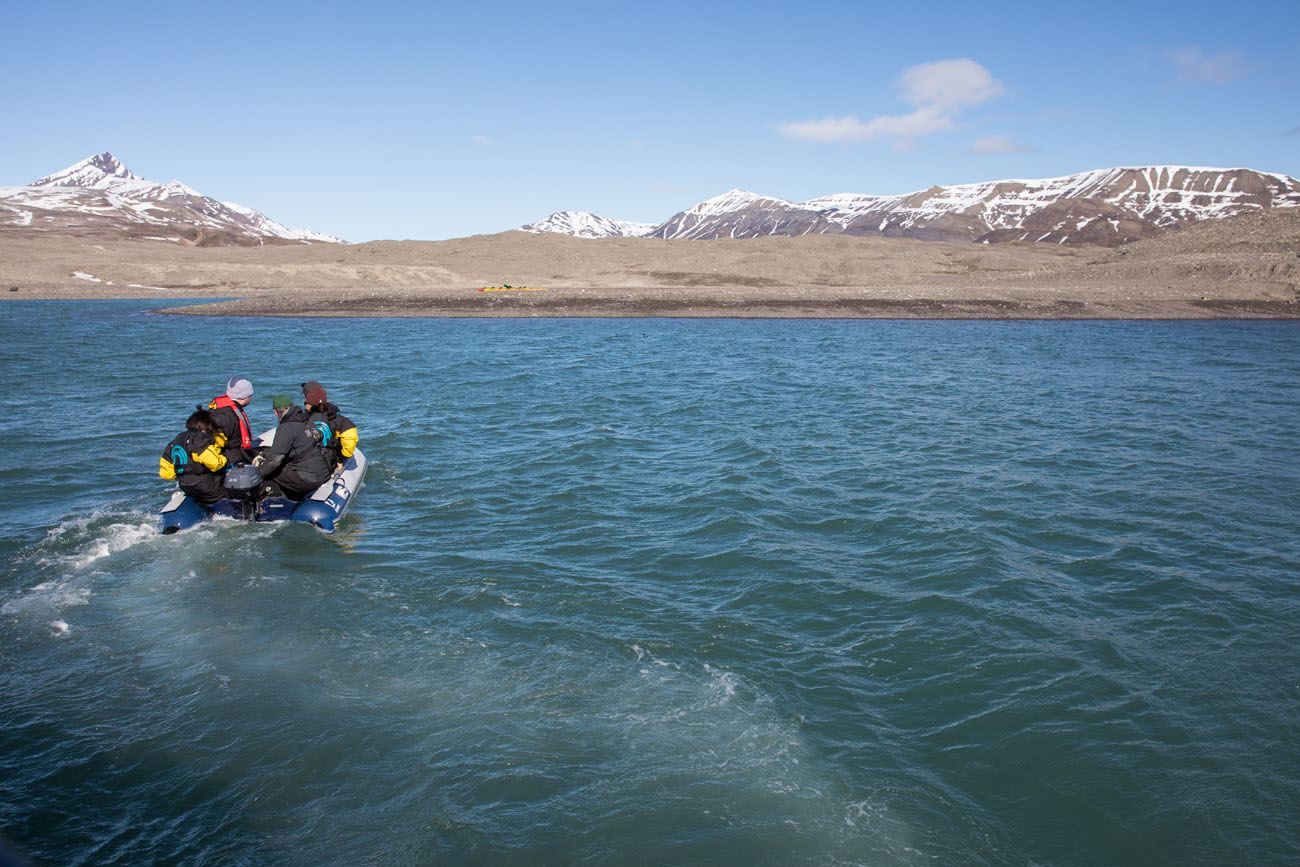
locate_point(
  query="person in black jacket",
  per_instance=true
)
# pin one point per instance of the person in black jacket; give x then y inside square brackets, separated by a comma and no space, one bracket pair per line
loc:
[294,462]
[233,434]
[339,434]
[194,459]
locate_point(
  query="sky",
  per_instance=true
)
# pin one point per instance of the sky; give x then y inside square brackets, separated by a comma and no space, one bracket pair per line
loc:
[437,120]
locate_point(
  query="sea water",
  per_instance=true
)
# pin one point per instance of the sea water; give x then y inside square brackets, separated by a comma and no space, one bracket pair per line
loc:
[661,592]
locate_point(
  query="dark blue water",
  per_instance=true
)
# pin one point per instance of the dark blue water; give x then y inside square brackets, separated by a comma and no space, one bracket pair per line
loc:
[662,592]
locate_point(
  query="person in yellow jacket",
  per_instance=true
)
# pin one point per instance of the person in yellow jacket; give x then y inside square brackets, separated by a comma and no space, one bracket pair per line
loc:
[339,435]
[194,459]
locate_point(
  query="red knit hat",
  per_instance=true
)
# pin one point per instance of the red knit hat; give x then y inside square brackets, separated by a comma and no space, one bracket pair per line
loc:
[313,392]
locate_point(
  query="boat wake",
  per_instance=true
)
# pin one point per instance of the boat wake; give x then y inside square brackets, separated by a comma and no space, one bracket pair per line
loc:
[82,540]
[62,566]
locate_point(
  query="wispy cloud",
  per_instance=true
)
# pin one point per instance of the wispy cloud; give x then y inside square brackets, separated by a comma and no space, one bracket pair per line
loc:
[939,91]
[481,140]
[1293,131]
[1194,66]
[998,144]
[923,121]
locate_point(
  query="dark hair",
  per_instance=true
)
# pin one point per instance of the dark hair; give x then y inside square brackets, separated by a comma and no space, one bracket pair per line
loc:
[201,420]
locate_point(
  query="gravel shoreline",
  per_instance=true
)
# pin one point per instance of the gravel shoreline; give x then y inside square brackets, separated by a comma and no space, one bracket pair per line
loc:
[705,305]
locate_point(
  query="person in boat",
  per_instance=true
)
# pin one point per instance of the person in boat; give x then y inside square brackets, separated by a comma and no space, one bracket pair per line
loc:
[194,459]
[293,465]
[339,436]
[234,436]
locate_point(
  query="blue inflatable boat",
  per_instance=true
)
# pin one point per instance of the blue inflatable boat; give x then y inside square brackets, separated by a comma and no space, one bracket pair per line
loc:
[323,509]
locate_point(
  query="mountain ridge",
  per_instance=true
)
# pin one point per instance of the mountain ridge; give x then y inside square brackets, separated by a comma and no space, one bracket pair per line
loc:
[1107,207]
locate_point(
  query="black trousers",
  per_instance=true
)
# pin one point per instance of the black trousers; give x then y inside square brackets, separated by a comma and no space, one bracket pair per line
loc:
[205,488]
[295,485]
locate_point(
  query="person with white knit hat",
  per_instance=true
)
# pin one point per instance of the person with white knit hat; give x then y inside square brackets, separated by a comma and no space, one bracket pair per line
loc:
[234,436]
[240,389]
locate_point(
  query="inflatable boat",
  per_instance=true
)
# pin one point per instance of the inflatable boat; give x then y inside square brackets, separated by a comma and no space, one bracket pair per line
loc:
[324,508]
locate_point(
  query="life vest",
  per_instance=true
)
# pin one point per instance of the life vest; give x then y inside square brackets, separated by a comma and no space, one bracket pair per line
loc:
[245,435]
[182,448]
[325,416]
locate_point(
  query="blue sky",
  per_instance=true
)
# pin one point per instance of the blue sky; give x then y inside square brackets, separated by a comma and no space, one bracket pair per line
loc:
[428,120]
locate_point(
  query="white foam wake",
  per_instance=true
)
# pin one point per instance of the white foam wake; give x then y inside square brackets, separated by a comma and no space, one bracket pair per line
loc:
[114,538]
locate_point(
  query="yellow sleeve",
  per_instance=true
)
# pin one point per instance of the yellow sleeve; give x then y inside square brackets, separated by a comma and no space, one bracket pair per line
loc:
[165,469]
[348,442]
[211,457]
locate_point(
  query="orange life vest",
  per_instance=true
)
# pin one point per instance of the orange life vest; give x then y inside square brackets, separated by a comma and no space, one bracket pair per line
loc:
[245,435]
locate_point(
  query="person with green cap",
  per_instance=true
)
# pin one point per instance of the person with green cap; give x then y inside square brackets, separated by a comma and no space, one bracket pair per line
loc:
[293,465]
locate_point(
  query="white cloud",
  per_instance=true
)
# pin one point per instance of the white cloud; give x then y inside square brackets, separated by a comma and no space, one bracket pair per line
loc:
[949,84]
[939,91]
[1194,66]
[998,144]
[482,140]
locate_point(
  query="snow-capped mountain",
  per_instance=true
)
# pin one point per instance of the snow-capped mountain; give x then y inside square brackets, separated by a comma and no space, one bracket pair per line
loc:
[99,195]
[742,214]
[582,224]
[100,171]
[1105,206]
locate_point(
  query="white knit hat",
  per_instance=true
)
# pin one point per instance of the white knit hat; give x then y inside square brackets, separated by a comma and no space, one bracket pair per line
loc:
[239,388]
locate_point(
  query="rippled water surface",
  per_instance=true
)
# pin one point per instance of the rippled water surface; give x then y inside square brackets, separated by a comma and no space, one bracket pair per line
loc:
[662,592]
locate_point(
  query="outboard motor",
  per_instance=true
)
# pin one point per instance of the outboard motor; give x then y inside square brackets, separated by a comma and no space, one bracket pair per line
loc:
[243,484]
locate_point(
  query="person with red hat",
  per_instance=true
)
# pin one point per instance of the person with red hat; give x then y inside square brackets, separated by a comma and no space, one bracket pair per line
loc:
[339,436]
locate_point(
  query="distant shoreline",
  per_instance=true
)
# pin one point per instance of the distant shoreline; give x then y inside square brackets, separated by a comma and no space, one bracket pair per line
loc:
[706,308]
[1247,267]
[697,303]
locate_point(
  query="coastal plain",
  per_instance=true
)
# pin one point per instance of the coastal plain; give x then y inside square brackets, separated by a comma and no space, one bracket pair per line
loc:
[1244,267]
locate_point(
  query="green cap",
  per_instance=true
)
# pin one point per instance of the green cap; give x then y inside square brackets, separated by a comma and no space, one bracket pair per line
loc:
[281,401]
